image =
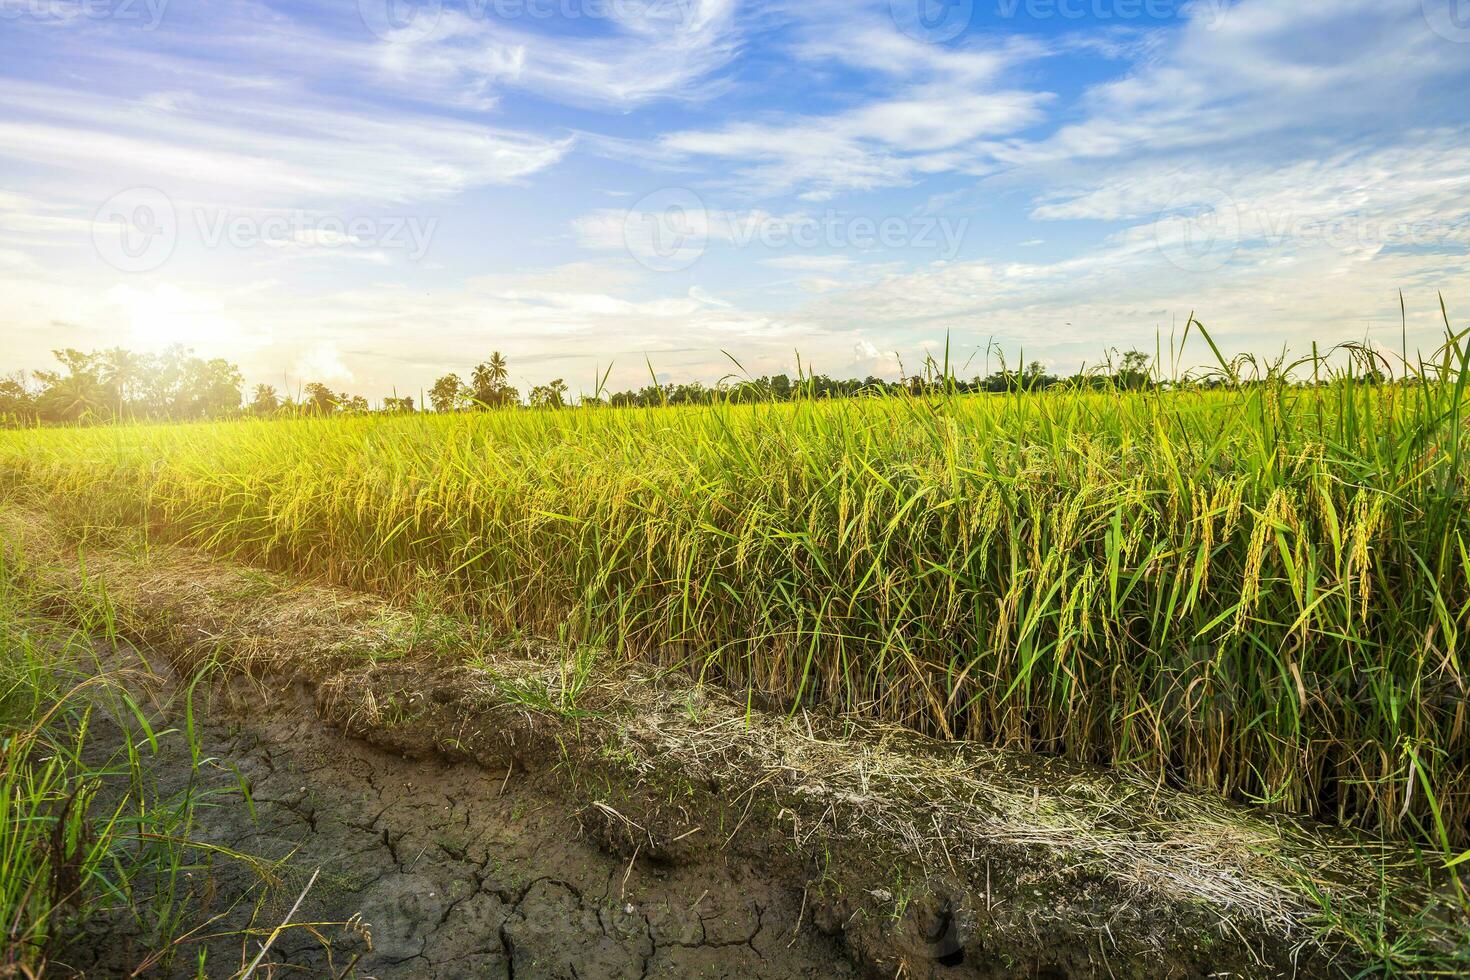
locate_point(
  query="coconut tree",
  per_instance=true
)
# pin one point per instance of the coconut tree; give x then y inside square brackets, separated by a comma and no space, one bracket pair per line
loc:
[499,370]
[121,370]
[265,400]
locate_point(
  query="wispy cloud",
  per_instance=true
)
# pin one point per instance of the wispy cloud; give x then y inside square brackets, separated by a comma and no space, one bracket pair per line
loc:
[266,152]
[930,105]
[629,54]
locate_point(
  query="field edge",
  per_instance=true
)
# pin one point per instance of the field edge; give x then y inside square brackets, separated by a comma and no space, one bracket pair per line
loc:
[922,855]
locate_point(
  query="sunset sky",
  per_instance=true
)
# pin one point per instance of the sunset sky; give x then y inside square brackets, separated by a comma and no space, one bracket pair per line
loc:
[375,193]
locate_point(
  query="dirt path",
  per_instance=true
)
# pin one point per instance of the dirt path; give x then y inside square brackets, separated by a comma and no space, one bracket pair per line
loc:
[453,872]
[582,816]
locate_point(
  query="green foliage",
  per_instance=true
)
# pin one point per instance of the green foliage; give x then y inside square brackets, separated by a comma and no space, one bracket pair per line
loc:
[1252,583]
[120,384]
[84,831]
[449,394]
[553,394]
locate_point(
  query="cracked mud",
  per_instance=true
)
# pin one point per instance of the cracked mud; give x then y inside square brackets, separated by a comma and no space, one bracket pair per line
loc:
[445,870]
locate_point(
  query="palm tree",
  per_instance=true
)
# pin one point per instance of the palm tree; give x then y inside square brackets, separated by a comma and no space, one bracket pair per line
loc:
[121,370]
[483,389]
[487,381]
[73,398]
[266,401]
[499,371]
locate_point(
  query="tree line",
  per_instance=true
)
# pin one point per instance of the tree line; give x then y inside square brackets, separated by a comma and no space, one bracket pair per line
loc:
[174,385]
[1132,373]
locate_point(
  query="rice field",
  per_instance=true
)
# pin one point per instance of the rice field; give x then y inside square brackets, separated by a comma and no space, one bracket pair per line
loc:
[1253,585]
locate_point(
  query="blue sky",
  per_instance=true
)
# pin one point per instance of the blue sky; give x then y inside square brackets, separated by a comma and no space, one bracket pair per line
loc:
[374,193]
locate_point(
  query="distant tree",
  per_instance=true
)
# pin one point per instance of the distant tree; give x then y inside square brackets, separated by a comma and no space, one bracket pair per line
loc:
[353,404]
[74,398]
[17,401]
[395,404]
[76,394]
[550,395]
[318,399]
[448,394]
[122,370]
[265,401]
[499,370]
[487,383]
[160,383]
[1133,371]
[208,389]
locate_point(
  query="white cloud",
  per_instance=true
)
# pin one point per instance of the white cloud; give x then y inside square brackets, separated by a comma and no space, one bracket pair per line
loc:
[925,106]
[637,53]
[810,263]
[1267,66]
[885,143]
[268,153]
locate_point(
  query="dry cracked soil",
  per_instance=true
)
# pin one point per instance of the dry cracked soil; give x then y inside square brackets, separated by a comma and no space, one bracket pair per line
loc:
[436,869]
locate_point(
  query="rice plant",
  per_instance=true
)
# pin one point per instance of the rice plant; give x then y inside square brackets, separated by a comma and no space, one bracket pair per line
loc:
[1250,580]
[85,832]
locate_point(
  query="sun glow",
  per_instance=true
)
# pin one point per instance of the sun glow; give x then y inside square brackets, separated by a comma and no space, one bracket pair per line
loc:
[164,314]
